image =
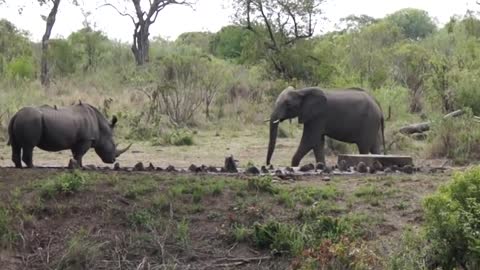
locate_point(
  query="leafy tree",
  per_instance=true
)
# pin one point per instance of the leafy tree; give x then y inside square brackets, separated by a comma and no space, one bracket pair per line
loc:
[415,24]
[230,42]
[411,67]
[89,45]
[14,44]
[200,40]
[355,23]
[279,24]
[142,20]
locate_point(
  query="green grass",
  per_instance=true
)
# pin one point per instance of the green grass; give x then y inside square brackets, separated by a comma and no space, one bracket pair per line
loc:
[65,183]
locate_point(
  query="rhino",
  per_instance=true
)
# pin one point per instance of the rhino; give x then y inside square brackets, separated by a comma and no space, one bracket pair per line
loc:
[78,127]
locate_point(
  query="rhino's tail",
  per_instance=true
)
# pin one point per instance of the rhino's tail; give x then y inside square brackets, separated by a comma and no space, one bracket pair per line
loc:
[10,131]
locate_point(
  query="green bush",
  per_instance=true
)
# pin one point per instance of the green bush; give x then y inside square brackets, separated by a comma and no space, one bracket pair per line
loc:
[457,139]
[279,237]
[65,183]
[452,217]
[467,93]
[21,68]
[262,184]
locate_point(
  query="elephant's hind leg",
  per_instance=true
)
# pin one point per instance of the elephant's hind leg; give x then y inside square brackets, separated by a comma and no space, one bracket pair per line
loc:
[27,156]
[301,152]
[16,155]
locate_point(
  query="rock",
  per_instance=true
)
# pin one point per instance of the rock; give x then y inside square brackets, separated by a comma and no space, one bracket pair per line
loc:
[91,167]
[193,168]
[289,169]
[252,170]
[139,167]
[278,172]
[264,169]
[407,169]
[342,165]
[73,164]
[230,165]
[377,165]
[223,170]
[212,169]
[307,167]
[361,167]
[159,169]
[320,166]
[171,168]
[327,170]
[271,167]
[326,179]
[116,166]
[203,168]
[388,170]
[150,167]
[371,170]
[395,168]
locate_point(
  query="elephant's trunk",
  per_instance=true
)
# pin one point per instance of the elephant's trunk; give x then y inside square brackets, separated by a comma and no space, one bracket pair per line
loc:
[273,139]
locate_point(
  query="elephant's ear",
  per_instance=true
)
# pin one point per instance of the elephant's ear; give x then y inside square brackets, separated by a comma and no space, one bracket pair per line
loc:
[313,104]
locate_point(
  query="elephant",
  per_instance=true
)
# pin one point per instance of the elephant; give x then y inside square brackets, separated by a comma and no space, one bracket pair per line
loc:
[78,127]
[349,115]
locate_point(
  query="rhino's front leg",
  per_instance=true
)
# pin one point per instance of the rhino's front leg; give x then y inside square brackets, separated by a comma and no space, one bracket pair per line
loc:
[79,150]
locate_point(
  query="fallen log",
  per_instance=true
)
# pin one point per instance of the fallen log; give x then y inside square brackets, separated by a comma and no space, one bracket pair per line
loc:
[425,126]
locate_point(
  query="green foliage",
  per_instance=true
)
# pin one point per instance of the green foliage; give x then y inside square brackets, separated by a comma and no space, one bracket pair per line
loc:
[415,24]
[62,57]
[279,237]
[178,138]
[230,42]
[183,233]
[14,46]
[89,47]
[456,138]
[65,183]
[452,220]
[141,219]
[241,233]
[80,252]
[199,40]
[411,254]
[467,92]
[262,184]
[21,68]
[6,234]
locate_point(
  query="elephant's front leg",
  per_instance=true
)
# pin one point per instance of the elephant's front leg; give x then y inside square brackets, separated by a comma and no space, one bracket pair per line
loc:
[319,152]
[304,147]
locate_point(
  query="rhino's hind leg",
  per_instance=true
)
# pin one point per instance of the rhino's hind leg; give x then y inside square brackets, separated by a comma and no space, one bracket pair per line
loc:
[27,156]
[16,155]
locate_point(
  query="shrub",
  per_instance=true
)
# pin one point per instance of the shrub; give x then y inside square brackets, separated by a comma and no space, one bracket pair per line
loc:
[262,184]
[65,183]
[178,138]
[456,139]
[452,217]
[279,237]
[21,68]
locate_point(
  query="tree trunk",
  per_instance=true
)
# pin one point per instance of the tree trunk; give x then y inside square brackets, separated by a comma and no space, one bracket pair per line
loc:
[44,75]
[141,44]
[425,126]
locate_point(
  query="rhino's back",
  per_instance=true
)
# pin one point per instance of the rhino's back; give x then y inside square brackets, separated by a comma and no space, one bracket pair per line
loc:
[63,128]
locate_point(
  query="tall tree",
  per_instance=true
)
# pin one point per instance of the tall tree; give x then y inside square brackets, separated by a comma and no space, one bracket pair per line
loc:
[142,19]
[279,23]
[50,21]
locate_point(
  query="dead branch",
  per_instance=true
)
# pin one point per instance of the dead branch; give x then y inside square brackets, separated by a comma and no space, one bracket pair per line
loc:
[425,126]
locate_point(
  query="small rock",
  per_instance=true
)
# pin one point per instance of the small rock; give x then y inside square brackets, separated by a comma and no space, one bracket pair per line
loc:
[395,168]
[91,167]
[371,170]
[377,165]
[327,170]
[159,169]
[73,164]
[388,170]
[212,169]
[203,168]
[150,167]
[326,179]
[320,166]
[139,167]
[252,170]
[230,165]
[307,167]
[171,168]
[342,165]
[223,170]
[361,167]
[289,169]
[193,168]
[264,169]
[271,167]
[408,169]
[116,166]
[278,172]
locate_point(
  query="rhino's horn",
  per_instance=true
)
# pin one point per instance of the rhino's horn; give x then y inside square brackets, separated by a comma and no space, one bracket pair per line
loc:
[119,152]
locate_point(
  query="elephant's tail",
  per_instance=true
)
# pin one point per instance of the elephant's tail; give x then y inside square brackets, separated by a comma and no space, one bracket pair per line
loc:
[382,121]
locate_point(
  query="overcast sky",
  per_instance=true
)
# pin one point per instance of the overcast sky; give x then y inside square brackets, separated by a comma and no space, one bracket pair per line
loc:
[209,15]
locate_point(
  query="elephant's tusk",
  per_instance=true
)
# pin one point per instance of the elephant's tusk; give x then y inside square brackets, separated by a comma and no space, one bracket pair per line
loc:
[276,121]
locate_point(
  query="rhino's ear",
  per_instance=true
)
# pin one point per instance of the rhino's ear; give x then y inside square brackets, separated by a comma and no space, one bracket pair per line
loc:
[114,121]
